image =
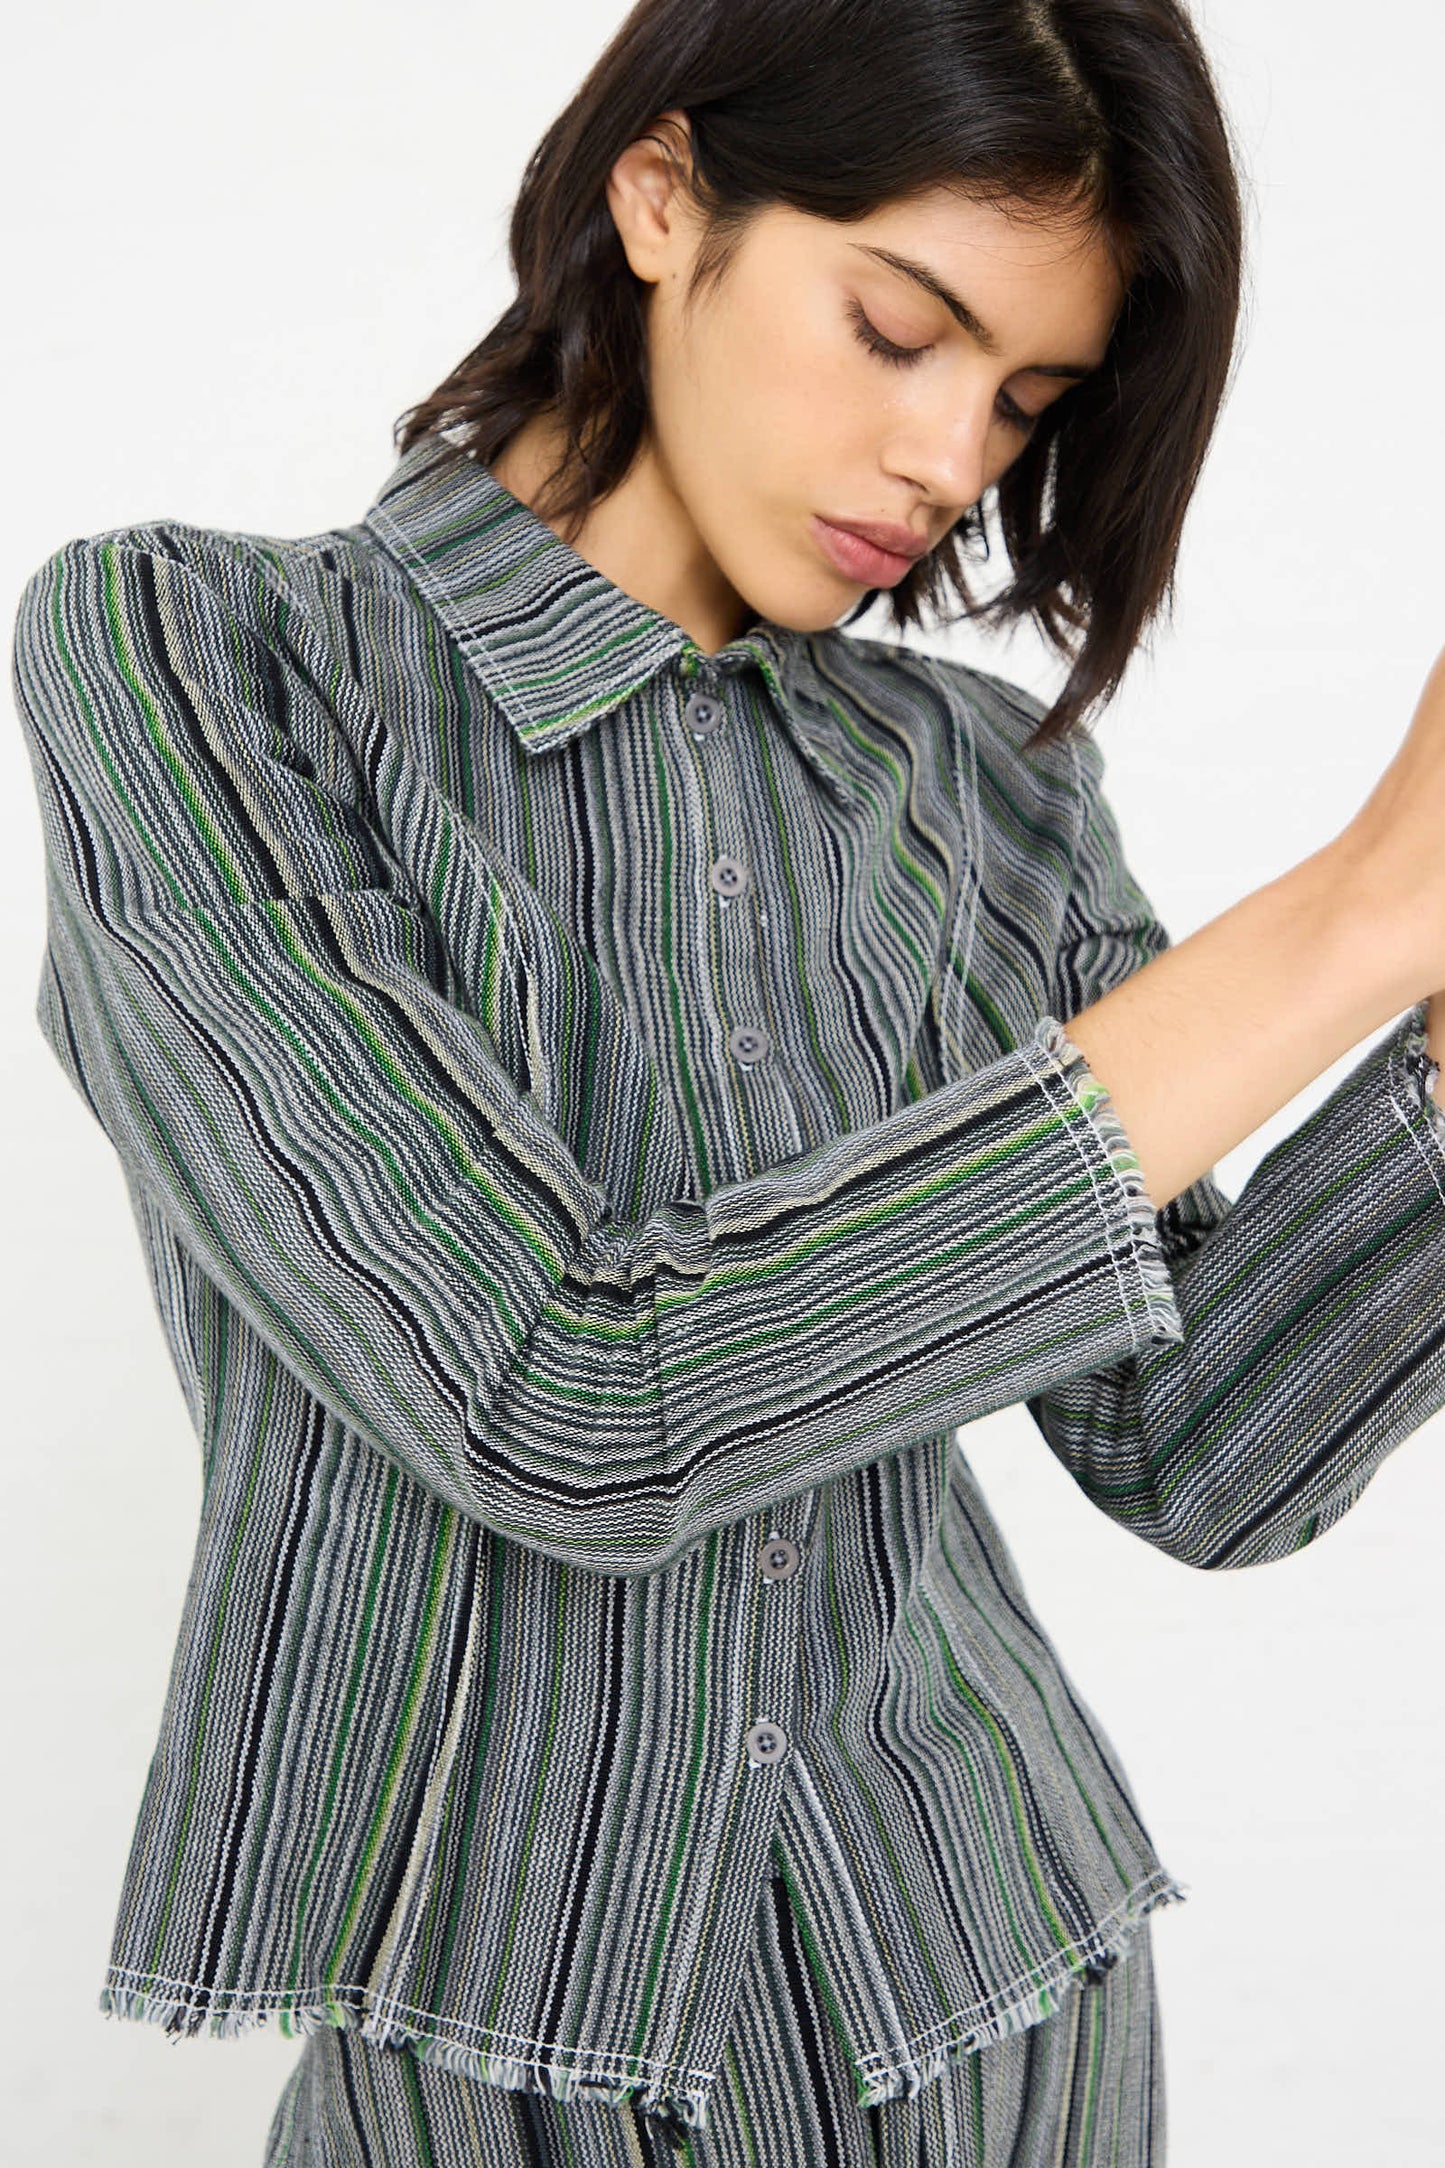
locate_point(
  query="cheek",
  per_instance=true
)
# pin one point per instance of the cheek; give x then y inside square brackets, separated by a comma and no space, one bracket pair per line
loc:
[741,415]
[805,391]
[998,458]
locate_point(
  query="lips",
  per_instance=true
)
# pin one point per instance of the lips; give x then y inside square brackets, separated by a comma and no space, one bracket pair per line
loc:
[861,557]
[884,535]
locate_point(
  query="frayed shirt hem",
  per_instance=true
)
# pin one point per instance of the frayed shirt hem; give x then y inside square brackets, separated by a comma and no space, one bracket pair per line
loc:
[672,2094]
[926,2058]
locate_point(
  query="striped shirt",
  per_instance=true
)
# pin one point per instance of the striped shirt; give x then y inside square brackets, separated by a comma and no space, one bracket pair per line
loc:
[599,1120]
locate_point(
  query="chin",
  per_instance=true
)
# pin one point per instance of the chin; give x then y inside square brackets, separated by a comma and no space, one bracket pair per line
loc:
[810,605]
[804,620]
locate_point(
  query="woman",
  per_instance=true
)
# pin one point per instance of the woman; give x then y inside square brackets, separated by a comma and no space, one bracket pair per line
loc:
[613,1071]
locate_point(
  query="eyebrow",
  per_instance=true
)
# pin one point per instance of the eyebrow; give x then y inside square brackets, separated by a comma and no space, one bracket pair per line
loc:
[931,283]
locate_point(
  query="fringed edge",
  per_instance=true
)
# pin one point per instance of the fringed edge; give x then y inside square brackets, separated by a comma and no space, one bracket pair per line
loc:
[1421,1069]
[1070,1063]
[183,2010]
[1086,1960]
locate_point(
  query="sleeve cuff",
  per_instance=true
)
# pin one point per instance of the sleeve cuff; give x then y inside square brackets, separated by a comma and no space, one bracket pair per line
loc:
[1124,1201]
[1417,1073]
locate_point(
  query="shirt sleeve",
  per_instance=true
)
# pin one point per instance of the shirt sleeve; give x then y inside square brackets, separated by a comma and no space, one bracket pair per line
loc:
[1312,1306]
[353,1135]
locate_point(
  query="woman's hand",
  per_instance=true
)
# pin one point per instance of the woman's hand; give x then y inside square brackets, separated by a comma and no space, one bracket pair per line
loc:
[1395,845]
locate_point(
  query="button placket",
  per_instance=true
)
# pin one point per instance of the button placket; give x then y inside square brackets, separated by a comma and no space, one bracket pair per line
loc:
[704,714]
[779,1558]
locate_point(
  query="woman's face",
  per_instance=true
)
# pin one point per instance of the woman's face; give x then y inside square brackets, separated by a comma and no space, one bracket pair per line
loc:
[778,406]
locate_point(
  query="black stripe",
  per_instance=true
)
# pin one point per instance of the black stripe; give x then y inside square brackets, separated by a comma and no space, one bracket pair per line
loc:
[583,1899]
[1274,1512]
[210,780]
[803,2026]
[259,1662]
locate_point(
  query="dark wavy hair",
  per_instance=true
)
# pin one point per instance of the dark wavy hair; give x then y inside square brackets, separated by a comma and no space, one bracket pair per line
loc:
[836,107]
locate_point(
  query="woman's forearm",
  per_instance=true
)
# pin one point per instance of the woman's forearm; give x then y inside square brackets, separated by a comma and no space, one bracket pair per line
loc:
[1210,1038]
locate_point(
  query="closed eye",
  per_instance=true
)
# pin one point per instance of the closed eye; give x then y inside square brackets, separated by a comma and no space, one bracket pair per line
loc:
[875,342]
[904,357]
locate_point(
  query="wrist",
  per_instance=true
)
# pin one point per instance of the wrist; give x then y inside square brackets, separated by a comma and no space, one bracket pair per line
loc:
[1378,920]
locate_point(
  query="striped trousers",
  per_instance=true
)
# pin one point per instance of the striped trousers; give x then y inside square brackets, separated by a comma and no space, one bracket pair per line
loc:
[1083,2089]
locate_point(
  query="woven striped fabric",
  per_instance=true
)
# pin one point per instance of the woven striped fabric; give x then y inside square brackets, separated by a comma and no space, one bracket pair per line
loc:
[1083,2089]
[600,1117]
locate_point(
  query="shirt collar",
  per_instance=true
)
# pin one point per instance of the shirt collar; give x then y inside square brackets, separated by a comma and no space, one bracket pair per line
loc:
[555,642]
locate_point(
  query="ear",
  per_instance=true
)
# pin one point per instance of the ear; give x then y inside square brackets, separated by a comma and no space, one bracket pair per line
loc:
[647,194]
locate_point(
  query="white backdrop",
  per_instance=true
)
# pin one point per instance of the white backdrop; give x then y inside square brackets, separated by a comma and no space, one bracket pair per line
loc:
[240,243]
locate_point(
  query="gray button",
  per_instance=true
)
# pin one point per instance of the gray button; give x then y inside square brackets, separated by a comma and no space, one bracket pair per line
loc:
[729,876]
[779,1557]
[749,1041]
[767,1743]
[702,714]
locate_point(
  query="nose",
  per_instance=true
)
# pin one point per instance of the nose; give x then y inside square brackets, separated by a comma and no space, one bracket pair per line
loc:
[944,455]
